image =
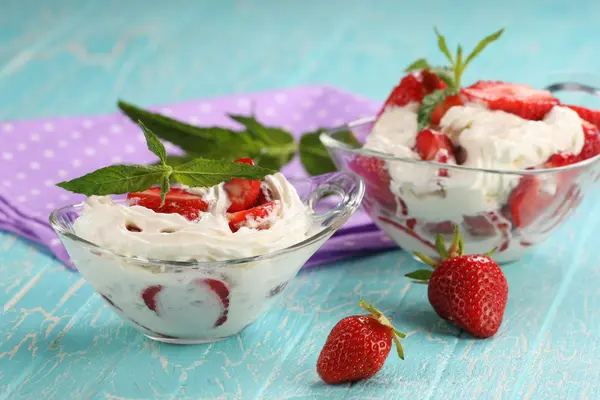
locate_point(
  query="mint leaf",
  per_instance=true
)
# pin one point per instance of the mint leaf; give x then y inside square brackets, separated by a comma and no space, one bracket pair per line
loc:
[458,65]
[117,179]
[154,145]
[267,135]
[420,64]
[428,105]
[443,46]
[421,275]
[205,173]
[209,142]
[314,156]
[276,146]
[482,45]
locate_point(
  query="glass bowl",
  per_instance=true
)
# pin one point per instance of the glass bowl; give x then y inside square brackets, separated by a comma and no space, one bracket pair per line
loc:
[198,302]
[414,200]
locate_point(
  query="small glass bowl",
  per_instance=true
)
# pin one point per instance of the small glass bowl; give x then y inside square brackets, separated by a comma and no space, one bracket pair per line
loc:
[414,200]
[198,302]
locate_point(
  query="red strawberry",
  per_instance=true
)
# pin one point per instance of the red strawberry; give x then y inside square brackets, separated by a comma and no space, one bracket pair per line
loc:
[357,347]
[560,160]
[521,100]
[242,192]
[253,217]
[373,172]
[591,146]
[149,296]
[591,116]
[432,145]
[222,291]
[412,88]
[440,110]
[177,201]
[479,225]
[527,201]
[470,291]
[444,227]
[431,82]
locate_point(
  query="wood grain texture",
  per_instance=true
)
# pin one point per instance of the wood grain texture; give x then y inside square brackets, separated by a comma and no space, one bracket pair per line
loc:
[59,341]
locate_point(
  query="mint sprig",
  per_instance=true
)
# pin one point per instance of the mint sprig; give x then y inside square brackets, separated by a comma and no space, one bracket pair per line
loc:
[450,75]
[270,147]
[120,179]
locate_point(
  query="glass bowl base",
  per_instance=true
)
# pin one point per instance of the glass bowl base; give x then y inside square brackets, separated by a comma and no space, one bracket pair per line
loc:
[184,341]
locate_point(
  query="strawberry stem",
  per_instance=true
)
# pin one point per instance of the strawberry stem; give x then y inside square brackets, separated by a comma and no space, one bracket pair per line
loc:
[440,245]
[426,259]
[383,320]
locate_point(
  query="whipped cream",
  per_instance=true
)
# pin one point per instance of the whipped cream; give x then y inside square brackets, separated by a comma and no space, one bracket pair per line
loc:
[174,238]
[491,139]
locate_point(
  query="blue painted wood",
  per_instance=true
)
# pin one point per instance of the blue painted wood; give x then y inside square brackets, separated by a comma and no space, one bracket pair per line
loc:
[59,341]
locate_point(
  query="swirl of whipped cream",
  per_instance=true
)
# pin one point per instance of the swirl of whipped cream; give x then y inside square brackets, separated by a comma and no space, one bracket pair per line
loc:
[172,237]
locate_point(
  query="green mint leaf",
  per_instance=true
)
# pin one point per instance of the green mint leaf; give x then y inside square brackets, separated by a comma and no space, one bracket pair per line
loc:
[209,142]
[428,105]
[421,275]
[205,173]
[482,45]
[420,64]
[458,66]
[154,144]
[443,46]
[178,160]
[314,156]
[117,179]
[267,135]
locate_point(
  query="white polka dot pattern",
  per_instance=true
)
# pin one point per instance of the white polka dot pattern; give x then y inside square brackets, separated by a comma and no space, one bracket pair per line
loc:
[50,151]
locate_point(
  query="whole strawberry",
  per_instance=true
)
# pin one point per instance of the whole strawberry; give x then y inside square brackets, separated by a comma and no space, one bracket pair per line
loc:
[468,290]
[358,346]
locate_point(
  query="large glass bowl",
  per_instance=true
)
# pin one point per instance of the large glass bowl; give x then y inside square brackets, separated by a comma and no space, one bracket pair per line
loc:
[197,302]
[414,200]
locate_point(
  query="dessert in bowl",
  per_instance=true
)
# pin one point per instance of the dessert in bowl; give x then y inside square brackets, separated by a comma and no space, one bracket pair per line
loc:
[201,263]
[505,162]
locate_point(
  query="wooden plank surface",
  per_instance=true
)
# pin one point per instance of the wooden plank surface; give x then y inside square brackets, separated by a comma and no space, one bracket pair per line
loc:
[59,341]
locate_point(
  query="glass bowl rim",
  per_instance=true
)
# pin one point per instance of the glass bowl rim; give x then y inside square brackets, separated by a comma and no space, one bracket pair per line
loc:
[330,142]
[347,208]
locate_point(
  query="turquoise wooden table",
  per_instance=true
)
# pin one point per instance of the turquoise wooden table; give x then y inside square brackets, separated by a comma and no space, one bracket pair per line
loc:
[59,341]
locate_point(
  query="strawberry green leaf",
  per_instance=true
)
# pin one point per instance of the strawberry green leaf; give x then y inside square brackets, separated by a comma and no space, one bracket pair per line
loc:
[420,275]
[428,105]
[443,46]
[117,179]
[446,76]
[154,144]
[202,172]
[458,65]
[482,45]
[420,64]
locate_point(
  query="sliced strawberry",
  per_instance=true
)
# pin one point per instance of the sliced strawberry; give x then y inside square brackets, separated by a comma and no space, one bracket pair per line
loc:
[412,88]
[440,110]
[254,217]
[222,291]
[522,100]
[177,201]
[264,196]
[479,226]
[431,81]
[444,227]
[591,146]
[527,201]
[591,116]
[374,174]
[149,296]
[432,145]
[560,160]
[242,192]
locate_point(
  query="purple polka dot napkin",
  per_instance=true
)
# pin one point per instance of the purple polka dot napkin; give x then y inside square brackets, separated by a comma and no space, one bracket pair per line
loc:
[34,155]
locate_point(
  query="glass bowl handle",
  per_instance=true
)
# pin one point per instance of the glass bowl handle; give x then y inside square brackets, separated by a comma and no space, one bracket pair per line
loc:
[347,186]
